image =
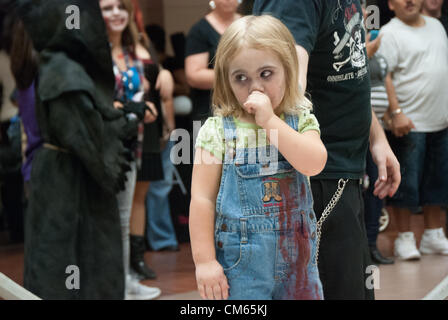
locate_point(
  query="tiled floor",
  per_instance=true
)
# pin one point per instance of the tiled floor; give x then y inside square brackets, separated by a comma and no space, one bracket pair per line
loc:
[402,281]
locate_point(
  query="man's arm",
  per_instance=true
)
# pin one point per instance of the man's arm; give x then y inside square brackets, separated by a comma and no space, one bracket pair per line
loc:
[400,124]
[303,66]
[389,176]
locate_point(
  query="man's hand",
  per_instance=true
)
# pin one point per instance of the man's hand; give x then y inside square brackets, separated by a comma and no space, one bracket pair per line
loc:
[401,125]
[211,280]
[260,106]
[389,176]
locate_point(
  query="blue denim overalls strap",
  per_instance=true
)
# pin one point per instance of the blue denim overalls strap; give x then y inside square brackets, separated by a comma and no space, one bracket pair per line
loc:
[265,230]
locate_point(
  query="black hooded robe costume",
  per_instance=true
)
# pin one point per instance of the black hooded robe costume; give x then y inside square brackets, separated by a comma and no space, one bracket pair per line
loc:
[73,217]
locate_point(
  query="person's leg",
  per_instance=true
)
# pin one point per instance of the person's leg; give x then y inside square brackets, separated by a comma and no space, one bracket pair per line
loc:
[134,290]
[124,199]
[403,219]
[137,231]
[435,193]
[137,226]
[160,230]
[343,253]
[410,151]
[433,217]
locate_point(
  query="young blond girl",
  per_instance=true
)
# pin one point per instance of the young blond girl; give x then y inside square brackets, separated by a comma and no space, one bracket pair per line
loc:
[252,225]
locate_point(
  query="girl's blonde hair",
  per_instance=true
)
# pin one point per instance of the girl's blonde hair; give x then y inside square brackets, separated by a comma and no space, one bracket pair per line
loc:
[261,33]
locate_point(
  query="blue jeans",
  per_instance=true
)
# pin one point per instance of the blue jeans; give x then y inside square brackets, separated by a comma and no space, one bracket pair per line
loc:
[159,226]
[265,230]
[423,158]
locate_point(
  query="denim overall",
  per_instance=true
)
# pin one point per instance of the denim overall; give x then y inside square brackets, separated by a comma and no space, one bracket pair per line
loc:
[265,229]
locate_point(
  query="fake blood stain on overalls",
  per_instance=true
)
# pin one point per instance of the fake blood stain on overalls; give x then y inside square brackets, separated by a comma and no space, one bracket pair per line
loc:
[265,231]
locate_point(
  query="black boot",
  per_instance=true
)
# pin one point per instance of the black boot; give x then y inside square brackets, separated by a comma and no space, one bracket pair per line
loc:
[377,258]
[137,262]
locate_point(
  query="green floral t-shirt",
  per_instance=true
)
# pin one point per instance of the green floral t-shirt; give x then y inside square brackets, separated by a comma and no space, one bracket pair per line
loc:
[211,134]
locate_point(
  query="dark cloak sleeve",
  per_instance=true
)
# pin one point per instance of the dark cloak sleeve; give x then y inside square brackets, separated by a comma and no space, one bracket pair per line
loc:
[76,126]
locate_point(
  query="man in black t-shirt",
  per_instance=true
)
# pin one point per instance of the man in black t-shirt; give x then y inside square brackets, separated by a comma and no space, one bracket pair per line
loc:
[333,65]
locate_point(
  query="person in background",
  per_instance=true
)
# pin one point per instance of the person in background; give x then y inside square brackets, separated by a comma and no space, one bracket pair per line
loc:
[433,8]
[200,49]
[160,230]
[11,182]
[7,82]
[72,224]
[418,108]
[156,134]
[444,18]
[201,44]
[373,205]
[129,97]
[24,65]
[175,64]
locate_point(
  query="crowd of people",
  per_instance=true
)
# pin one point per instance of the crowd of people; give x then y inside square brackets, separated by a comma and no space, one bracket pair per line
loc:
[311,126]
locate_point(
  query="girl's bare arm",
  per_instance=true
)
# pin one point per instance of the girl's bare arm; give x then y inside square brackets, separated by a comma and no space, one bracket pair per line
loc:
[211,281]
[304,151]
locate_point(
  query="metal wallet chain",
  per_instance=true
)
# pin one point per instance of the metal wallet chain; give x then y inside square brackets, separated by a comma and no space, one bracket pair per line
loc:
[334,200]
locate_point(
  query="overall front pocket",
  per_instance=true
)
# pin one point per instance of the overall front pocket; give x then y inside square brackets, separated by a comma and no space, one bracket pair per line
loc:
[233,250]
[267,189]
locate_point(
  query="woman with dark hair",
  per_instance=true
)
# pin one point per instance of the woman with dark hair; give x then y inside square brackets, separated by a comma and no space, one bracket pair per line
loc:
[24,64]
[201,44]
[132,88]
[11,183]
[7,108]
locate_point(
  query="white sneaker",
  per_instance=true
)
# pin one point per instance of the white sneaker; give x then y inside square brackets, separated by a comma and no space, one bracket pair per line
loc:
[137,291]
[434,242]
[405,247]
